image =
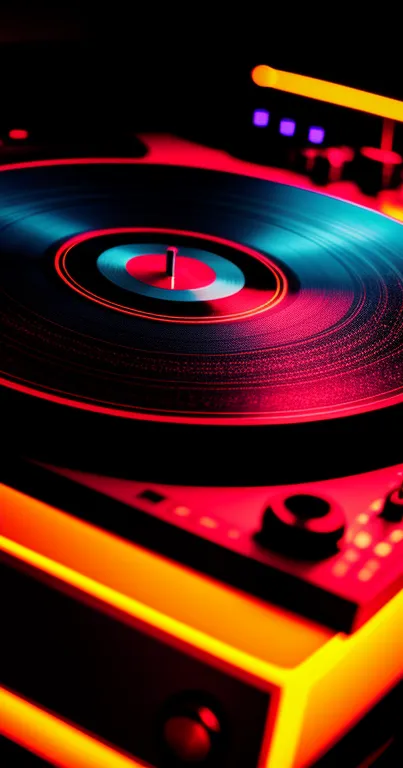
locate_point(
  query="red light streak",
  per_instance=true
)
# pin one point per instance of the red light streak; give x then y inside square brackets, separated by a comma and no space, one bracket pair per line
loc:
[18,134]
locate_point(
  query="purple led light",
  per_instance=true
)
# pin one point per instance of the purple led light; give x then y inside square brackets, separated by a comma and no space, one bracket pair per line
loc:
[316,134]
[287,127]
[261,118]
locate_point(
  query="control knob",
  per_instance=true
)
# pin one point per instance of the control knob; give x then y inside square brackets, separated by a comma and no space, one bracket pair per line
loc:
[393,508]
[302,525]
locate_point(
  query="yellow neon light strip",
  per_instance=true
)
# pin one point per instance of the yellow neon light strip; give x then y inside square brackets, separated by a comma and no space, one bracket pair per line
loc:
[332,93]
[52,739]
[259,670]
[131,570]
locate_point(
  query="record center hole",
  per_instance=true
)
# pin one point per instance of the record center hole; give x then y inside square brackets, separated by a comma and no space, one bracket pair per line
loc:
[305,506]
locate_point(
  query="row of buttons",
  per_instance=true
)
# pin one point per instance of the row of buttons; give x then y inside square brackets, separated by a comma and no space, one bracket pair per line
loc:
[184,512]
[302,525]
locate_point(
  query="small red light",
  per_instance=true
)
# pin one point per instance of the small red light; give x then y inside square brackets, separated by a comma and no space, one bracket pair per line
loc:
[311,153]
[209,719]
[18,134]
[186,739]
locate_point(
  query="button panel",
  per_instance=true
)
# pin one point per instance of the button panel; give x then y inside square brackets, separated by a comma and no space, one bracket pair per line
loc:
[218,531]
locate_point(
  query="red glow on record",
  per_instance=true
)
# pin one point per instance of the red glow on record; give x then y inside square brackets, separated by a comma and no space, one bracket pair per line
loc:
[190,273]
[249,302]
[18,134]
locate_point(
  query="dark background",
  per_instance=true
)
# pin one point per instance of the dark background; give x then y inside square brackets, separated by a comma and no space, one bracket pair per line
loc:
[184,68]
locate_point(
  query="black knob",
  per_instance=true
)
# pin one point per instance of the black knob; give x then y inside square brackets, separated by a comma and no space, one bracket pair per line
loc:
[377,169]
[303,525]
[190,732]
[393,508]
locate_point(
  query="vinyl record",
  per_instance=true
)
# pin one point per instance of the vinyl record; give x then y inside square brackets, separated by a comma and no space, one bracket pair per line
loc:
[274,349]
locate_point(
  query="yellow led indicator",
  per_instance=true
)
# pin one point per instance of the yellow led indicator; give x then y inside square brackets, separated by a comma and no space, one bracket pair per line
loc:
[362,540]
[376,505]
[363,518]
[383,549]
[372,565]
[351,555]
[340,569]
[208,522]
[396,536]
[331,93]
[365,574]
[182,511]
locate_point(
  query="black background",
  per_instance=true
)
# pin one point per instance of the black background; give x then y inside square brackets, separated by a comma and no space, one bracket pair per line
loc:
[183,68]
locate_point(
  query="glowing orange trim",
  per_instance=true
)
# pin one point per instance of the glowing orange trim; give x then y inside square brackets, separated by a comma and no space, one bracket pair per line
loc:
[332,93]
[338,671]
[394,211]
[133,571]
[289,717]
[52,739]
[259,670]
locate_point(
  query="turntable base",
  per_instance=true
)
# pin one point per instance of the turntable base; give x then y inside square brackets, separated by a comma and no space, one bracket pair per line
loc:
[302,670]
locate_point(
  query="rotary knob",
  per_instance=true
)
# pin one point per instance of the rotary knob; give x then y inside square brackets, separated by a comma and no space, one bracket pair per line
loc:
[378,169]
[393,508]
[191,733]
[302,525]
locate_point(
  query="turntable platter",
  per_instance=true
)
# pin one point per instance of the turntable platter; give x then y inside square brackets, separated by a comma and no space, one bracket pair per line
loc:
[283,329]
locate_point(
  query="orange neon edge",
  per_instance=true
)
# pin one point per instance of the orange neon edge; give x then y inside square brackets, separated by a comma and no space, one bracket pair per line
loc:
[52,739]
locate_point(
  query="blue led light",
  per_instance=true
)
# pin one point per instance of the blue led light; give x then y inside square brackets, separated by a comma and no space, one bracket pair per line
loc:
[261,118]
[287,127]
[316,134]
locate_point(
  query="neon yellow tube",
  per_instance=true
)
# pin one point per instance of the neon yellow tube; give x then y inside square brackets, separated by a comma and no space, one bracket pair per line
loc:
[332,93]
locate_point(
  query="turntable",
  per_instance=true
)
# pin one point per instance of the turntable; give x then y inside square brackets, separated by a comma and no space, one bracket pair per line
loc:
[202,499]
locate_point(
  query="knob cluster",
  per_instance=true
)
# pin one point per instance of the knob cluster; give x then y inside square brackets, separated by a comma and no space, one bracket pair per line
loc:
[372,168]
[302,525]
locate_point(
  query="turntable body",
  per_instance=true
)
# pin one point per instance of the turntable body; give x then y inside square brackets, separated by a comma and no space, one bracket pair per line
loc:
[204,527]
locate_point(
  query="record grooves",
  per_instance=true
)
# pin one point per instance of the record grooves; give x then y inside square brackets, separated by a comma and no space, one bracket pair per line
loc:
[288,334]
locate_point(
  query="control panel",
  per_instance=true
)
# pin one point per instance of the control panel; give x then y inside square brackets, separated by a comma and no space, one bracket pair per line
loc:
[330,551]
